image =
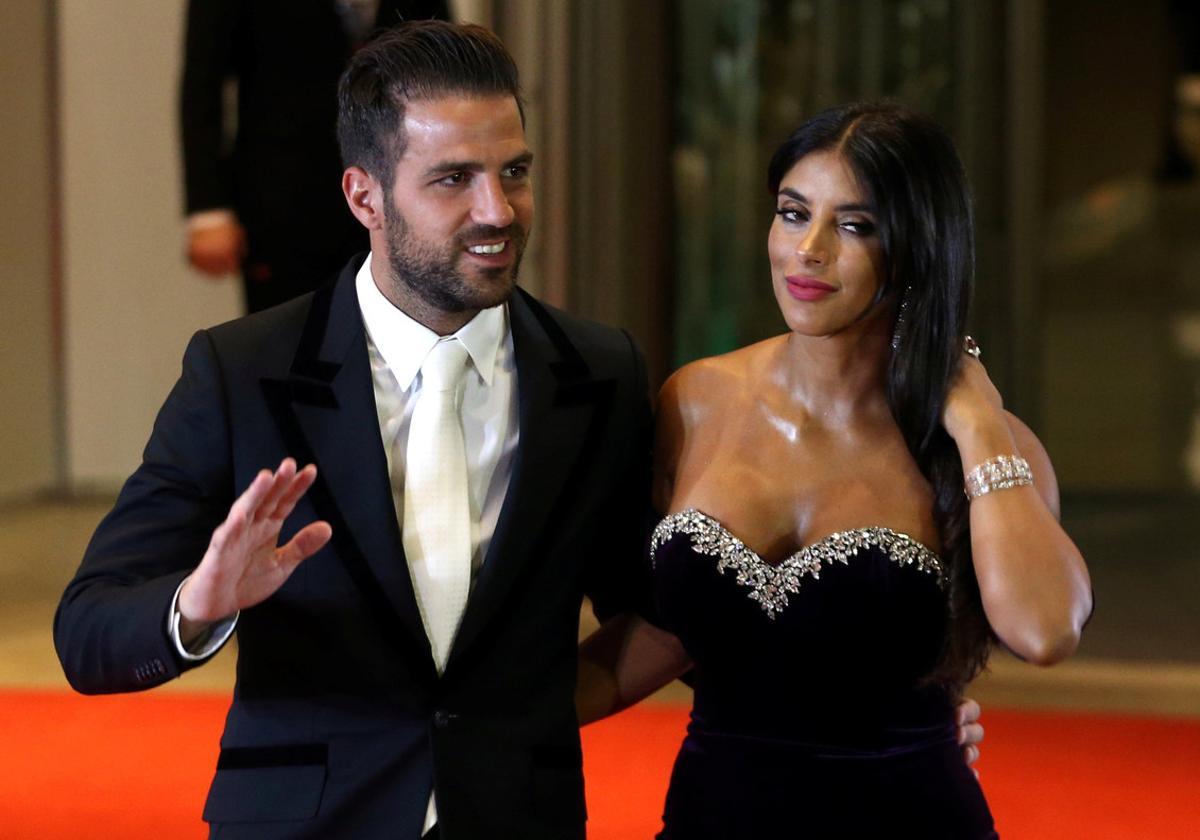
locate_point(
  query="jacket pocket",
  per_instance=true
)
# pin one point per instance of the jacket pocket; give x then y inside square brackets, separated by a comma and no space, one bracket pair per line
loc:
[260,784]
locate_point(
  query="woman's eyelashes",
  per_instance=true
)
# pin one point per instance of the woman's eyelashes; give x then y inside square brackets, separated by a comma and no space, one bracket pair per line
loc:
[859,227]
[798,216]
[792,215]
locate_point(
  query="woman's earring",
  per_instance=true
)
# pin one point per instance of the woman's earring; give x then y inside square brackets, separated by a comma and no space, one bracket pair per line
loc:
[900,318]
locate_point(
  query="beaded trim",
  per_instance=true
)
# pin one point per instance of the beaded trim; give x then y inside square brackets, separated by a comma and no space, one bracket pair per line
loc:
[770,585]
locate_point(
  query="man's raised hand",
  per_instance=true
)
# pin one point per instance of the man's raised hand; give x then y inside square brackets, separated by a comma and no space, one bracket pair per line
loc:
[245,564]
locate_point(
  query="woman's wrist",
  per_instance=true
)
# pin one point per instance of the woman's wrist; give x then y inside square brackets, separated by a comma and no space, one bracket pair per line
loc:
[982,437]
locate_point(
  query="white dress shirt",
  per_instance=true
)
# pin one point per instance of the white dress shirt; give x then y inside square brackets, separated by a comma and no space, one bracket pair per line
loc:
[397,345]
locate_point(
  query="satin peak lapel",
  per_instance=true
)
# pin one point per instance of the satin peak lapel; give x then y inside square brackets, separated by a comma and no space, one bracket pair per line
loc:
[326,412]
[561,405]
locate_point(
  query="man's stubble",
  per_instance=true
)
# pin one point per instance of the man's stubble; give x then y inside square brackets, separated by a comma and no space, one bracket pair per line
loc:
[435,275]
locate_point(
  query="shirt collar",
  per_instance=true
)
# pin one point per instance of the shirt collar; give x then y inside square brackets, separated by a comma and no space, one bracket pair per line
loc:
[404,343]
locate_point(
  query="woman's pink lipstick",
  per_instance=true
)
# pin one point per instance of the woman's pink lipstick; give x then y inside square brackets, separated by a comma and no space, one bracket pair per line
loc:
[807,288]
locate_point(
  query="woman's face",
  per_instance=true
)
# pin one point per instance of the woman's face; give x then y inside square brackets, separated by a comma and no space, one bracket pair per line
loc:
[826,257]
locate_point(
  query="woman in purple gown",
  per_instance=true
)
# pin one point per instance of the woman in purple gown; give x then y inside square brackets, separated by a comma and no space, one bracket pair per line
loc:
[852,518]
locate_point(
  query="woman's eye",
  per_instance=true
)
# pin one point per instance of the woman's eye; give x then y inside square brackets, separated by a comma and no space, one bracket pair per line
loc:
[859,227]
[791,215]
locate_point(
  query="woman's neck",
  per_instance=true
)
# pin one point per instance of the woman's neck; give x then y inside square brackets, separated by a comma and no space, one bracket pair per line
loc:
[839,378]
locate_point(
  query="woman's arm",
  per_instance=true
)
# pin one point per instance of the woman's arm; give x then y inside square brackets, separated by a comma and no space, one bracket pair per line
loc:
[624,661]
[1032,579]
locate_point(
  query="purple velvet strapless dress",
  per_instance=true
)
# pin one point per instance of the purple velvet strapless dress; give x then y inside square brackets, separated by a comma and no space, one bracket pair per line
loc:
[811,718]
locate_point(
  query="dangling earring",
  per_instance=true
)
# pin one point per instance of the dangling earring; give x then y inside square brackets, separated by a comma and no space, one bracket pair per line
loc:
[900,318]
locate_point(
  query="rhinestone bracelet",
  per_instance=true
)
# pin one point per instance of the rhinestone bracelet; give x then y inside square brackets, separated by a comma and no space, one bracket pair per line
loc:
[998,473]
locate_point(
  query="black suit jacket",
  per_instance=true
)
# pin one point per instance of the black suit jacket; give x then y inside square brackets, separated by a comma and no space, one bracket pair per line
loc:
[281,172]
[339,722]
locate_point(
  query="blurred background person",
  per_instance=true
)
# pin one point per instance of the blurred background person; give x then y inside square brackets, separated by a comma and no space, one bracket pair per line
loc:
[260,159]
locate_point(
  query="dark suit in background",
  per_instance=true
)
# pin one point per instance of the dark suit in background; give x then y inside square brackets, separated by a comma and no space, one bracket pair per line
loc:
[280,171]
[339,721]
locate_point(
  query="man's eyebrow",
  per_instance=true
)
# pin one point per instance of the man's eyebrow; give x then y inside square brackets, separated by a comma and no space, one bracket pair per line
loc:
[454,166]
[448,166]
[523,159]
[841,208]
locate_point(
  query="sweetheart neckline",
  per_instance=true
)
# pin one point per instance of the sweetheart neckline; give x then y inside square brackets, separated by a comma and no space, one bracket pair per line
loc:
[770,584]
[804,549]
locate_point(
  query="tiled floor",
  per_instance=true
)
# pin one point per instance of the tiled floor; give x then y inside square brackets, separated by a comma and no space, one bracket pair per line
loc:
[1140,654]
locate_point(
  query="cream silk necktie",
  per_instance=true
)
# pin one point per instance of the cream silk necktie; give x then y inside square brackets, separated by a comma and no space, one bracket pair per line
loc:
[437,515]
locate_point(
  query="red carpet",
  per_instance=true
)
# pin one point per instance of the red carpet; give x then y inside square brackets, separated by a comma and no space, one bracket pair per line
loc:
[138,766]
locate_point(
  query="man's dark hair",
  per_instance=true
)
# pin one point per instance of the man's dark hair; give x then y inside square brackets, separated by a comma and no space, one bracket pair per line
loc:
[417,60]
[909,169]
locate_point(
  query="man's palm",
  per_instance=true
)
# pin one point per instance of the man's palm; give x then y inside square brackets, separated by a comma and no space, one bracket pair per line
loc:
[244,564]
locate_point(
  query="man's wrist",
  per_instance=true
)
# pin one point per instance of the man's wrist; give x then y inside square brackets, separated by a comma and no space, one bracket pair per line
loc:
[193,633]
[197,640]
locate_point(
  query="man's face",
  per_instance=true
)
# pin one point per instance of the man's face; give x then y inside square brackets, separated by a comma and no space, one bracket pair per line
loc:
[459,208]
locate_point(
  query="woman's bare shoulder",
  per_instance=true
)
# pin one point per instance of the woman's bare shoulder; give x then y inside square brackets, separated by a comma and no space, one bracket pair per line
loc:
[715,380]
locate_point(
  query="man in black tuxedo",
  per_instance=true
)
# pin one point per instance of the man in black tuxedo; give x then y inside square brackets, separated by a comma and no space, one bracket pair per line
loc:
[265,202]
[356,713]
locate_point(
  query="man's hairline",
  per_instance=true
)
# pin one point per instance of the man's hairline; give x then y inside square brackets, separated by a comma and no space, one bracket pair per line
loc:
[401,135]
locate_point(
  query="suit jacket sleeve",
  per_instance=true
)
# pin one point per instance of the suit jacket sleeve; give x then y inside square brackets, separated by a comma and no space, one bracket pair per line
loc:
[110,628]
[209,50]
[618,576]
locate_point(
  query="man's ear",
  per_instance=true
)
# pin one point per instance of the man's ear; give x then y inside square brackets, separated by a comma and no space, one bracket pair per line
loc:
[364,195]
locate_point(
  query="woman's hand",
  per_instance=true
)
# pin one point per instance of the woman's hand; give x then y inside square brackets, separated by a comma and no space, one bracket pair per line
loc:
[973,404]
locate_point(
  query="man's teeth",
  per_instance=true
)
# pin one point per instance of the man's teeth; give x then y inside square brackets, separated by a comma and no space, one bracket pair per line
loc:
[487,249]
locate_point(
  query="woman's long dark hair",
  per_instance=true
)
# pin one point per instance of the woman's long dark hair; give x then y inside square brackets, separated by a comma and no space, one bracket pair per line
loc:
[912,175]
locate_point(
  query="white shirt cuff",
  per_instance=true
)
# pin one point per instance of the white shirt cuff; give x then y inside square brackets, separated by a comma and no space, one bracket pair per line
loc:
[208,643]
[206,219]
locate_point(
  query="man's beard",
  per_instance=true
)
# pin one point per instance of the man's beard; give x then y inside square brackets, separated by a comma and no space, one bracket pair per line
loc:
[435,275]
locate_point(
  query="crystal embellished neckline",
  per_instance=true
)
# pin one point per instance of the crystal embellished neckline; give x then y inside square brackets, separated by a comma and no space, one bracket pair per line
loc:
[769,585]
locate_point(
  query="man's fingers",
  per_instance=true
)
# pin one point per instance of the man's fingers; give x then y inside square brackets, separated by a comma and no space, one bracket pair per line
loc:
[308,541]
[281,482]
[291,494]
[260,497]
[252,497]
[971,754]
[267,491]
[967,712]
[971,734]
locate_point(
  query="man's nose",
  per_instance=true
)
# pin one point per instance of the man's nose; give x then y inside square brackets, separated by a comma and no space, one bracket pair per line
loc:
[492,205]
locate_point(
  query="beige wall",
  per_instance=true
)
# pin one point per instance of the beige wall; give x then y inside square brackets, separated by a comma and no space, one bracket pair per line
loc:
[27,381]
[130,301]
